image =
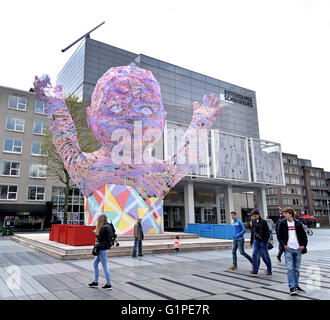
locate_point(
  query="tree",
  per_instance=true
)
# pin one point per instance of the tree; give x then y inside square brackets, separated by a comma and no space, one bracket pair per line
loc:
[87,142]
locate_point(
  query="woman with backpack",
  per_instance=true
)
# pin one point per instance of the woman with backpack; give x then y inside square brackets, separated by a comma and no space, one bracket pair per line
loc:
[104,234]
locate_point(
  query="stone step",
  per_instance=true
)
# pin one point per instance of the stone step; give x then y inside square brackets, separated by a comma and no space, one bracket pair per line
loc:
[64,252]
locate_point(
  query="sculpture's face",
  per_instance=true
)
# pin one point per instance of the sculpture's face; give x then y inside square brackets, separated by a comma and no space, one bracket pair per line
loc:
[123,97]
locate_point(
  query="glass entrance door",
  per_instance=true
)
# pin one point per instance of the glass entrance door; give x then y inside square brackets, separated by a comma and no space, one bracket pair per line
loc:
[173,218]
[206,215]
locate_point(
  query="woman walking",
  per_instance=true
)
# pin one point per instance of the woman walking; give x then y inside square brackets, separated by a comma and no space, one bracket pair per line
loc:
[104,235]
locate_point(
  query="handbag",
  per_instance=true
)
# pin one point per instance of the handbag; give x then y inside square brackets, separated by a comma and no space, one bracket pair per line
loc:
[270,245]
[96,250]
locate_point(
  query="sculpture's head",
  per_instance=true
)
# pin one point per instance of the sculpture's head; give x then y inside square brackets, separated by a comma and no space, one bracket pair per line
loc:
[122,96]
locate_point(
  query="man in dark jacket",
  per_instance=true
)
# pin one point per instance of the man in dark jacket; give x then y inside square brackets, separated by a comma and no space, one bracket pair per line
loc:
[280,250]
[293,239]
[138,237]
[259,239]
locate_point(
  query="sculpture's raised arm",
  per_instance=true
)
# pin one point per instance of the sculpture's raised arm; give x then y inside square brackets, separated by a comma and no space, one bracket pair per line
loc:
[179,165]
[61,124]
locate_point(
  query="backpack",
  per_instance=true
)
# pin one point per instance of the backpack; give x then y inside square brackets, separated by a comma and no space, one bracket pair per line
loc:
[114,235]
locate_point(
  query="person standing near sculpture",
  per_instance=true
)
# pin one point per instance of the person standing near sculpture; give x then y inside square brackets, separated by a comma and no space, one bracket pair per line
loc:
[104,235]
[138,237]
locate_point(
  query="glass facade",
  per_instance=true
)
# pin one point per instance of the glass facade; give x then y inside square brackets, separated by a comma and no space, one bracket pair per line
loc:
[75,204]
[179,87]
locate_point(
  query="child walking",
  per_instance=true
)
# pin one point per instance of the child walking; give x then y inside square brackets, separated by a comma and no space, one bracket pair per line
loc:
[177,244]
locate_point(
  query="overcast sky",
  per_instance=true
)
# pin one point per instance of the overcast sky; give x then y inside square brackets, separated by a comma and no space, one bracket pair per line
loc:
[280,49]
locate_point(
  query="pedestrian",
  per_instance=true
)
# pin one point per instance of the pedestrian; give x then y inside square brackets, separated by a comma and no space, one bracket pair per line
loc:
[292,237]
[177,244]
[104,234]
[138,237]
[238,241]
[259,239]
[280,249]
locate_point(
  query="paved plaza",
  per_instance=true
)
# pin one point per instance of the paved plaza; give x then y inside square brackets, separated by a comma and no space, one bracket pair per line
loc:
[193,275]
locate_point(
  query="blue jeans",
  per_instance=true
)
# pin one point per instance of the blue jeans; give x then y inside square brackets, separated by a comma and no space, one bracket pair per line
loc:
[240,244]
[260,250]
[103,258]
[137,243]
[293,261]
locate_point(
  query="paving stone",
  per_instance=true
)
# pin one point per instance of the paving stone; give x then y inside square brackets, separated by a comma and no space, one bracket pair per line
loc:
[276,294]
[51,283]
[4,291]
[160,276]
[92,294]
[49,296]
[37,297]
[139,294]
[66,295]
[68,281]
[222,297]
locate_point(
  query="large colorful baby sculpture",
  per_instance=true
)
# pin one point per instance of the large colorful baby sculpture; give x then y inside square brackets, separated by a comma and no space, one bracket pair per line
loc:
[126,112]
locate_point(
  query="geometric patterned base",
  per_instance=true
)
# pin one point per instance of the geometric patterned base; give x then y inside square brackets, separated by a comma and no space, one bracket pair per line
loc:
[123,206]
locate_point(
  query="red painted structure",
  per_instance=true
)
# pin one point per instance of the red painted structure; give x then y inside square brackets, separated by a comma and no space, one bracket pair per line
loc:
[74,235]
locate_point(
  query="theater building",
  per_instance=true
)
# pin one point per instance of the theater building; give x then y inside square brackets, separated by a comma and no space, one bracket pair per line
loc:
[238,165]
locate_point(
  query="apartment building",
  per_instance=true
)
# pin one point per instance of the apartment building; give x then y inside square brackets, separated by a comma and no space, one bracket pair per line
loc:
[27,197]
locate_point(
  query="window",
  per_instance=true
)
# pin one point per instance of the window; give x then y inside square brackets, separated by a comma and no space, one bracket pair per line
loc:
[292,160]
[10,168]
[12,145]
[271,191]
[293,170]
[38,170]
[311,173]
[39,107]
[285,190]
[39,127]
[318,174]
[8,192]
[287,180]
[287,201]
[17,102]
[295,191]
[294,180]
[15,124]
[285,160]
[37,150]
[286,169]
[36,193]
[313,183]
[272,201]
[296,202]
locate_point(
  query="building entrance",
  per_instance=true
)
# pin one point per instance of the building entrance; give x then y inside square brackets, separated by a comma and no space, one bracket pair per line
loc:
[206,215]
[173,218]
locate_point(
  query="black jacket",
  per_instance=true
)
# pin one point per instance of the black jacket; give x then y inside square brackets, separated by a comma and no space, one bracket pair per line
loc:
[283,234]
[106,237]
[260,231]
[278,223]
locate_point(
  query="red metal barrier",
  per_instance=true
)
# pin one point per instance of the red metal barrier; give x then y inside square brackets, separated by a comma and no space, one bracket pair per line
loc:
[80,235]
[74,235]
